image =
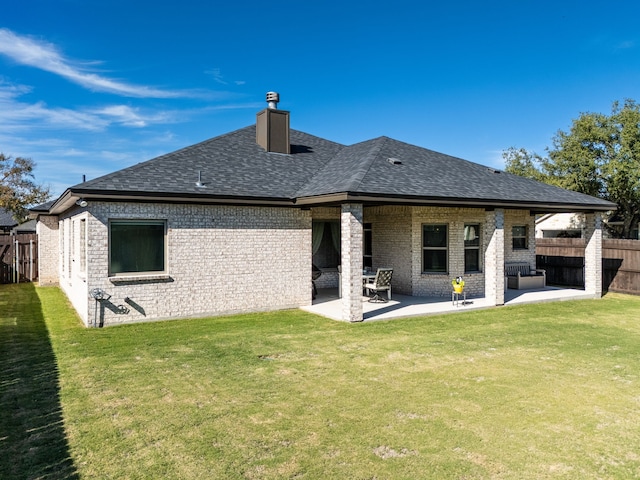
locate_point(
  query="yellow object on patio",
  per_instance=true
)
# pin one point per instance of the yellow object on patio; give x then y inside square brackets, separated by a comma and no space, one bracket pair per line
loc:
[458,284]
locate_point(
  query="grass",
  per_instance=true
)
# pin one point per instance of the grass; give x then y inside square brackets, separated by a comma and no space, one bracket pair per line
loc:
[529,392]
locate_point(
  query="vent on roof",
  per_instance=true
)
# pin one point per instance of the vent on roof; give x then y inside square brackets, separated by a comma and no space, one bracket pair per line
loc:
[394,161]
[272,127]
[493,170]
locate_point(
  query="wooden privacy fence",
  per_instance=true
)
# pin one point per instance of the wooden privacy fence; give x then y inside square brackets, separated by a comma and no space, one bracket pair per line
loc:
[18,258]
[563,259]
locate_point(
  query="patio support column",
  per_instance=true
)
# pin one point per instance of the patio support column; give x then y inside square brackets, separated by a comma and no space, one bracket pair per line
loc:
[593,254]
[351,261]
[494,257]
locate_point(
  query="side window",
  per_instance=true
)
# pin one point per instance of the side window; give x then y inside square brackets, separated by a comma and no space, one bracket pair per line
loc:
[519,237]
[472,247]
[83,246]
[435,248]
[137,246]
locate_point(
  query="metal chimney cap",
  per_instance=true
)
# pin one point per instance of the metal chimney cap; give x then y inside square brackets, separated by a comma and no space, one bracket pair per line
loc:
[273,98]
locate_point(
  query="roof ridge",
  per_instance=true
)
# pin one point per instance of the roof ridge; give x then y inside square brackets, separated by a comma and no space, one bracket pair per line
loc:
[369,158]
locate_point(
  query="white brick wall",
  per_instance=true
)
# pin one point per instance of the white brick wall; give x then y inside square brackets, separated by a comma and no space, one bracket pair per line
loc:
[436,284]
[397,243]
[593,255]
[494,256]
[220,259]
[351,230]
[48,246]
[228,259]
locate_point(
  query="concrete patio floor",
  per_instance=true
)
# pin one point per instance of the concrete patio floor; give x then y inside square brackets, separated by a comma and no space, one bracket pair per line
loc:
[328,304]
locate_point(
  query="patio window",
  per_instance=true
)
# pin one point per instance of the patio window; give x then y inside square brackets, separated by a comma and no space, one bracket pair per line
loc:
[519,237]
[367,246]
[472,247]
[326,243]
[435,251]
[137,246]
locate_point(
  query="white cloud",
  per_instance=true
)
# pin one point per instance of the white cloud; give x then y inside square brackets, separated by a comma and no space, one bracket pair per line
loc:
[128,116]
[16,115]
[46,56]
[216,73]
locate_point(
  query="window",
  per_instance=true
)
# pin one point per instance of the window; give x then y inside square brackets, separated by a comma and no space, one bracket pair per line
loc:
[434,248]
[136,246]
[83,246]
[325,243]
[367,246]
[472,247]
[519,237]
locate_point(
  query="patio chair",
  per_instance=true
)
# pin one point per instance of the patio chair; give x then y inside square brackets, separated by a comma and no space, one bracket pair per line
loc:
[382,283]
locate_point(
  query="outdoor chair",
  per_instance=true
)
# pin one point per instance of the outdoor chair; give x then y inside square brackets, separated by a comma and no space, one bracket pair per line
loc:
[381,283]
[521,276]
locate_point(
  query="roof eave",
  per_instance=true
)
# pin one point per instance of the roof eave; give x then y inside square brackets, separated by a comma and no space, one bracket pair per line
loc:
[538,207]
[69,198]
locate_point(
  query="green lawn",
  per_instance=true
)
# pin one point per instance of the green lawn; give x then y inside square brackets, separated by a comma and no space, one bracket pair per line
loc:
[530,392]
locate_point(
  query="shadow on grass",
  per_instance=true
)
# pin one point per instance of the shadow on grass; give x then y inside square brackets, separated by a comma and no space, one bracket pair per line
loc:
[32,438]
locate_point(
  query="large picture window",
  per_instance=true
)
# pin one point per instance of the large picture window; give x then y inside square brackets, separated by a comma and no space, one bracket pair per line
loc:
[136,246]
[472,247]
[519,237]
[435,251]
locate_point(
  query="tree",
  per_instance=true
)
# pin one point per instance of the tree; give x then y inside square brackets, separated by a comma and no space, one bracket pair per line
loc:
[599,156]
[18,189]
[524,163]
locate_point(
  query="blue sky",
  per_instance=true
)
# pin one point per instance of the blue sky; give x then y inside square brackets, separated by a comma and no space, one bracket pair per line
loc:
[91,86]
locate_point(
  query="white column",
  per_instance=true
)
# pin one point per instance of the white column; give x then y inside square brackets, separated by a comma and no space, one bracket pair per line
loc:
[494,257]
[593,254]
[351,261]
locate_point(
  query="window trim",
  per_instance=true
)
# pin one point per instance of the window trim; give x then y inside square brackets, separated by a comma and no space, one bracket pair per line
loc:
[445,249]
[165,242]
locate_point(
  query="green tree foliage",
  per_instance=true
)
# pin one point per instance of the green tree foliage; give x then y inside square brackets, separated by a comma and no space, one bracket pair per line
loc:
[18,189]
[599,156]
[524,163]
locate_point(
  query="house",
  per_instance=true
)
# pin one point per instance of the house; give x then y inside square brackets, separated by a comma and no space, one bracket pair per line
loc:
[9,225]
[234,224]
[571,225]
[560,225]
[7,222]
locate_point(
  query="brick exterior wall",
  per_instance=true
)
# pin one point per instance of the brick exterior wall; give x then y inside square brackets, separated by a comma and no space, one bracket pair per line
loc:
[593,255]
[48,249]
[439,284]
[397,243]
[391,239]
[351,230]
[519,218]
[229,259]
[494,256]
[220,259]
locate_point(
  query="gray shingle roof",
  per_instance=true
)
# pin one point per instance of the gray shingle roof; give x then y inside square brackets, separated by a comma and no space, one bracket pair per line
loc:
[234,166]
[6,219]
[387,167]
[231,165]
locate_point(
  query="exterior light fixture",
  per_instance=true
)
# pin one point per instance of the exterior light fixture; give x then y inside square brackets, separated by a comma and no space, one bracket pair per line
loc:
[81,202]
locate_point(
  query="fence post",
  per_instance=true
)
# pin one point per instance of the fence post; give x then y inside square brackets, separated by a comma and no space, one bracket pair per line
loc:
[31,260]
[16,275]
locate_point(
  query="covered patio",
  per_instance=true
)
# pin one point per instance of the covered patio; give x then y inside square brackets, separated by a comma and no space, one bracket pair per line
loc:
[328,304]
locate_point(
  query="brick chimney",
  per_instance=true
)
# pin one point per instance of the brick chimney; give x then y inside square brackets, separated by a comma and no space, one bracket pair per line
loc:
[272,127]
